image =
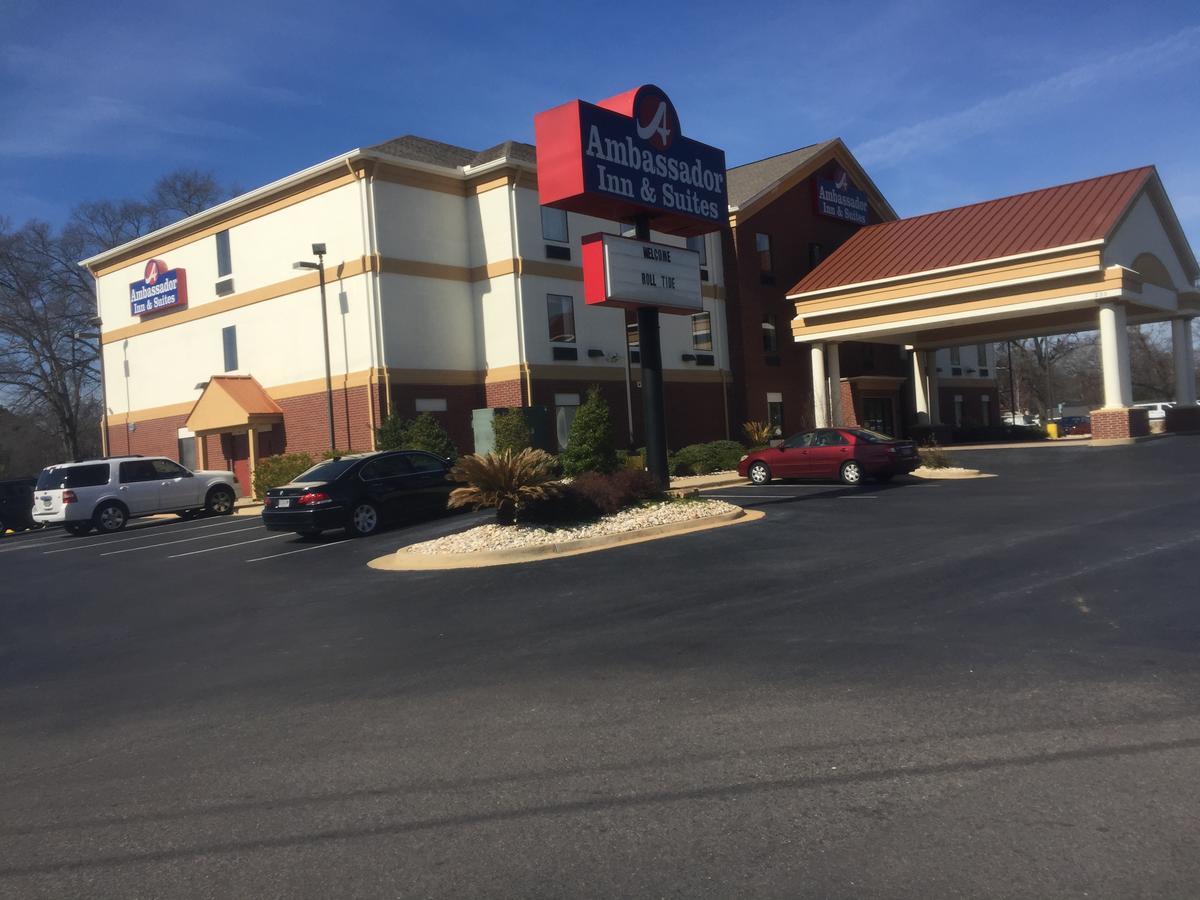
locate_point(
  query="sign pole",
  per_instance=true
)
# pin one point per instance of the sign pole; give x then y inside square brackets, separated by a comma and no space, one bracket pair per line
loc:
[653,415]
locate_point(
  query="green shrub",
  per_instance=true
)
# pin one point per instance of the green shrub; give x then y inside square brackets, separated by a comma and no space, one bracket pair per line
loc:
[511,431]
[701,459]
[338,454]
[503,480]
[273,471]
[934,457]
[422,433]
[590,445]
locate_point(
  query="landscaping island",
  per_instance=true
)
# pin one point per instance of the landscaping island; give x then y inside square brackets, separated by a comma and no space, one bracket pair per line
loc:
[493,545]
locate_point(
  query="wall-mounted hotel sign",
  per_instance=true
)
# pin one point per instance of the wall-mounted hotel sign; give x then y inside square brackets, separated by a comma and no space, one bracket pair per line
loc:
[160,289]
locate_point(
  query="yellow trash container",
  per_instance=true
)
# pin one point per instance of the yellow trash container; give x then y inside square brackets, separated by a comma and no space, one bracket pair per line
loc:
[1052,429]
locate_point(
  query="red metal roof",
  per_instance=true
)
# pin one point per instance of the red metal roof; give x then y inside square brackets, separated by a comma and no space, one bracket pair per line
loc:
[1024,223]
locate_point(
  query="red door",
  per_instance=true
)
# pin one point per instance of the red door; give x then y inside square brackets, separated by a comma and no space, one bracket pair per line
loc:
[792,458]
[236,449]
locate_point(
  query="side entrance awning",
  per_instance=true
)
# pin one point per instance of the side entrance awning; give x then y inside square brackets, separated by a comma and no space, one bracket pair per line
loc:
[233,403]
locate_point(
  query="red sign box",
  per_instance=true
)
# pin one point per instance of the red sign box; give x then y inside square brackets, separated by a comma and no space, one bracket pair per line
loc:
[625,157]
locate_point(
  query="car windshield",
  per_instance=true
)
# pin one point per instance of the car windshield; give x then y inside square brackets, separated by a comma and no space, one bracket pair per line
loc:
[871,437]
[328,470]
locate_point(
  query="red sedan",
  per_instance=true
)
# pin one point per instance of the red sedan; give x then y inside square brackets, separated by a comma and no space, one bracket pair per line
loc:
[846,454]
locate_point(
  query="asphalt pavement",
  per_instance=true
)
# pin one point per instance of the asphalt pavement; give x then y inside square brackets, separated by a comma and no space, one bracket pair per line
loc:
[983,687]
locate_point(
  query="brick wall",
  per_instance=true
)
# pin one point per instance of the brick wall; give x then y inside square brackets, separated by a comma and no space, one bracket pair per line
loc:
[850,417]
[155,437]
[1117,424]
[504,394]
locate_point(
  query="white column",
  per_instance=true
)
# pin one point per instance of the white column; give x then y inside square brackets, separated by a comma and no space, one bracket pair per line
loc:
[820,387]
[1114,356]
[935,407]
[920,394]
[1185,362]
[833,363]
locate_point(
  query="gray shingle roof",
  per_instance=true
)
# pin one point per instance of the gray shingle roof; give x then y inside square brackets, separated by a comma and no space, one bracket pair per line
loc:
[419,149]
[748,181]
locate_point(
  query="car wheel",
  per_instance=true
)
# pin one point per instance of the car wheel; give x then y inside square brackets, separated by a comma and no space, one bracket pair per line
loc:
[110,518]
[220,502]
[79,529]
[851,473]
[760,473]
[364,520]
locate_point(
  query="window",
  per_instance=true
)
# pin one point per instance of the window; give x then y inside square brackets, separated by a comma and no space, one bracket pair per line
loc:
[770,334]
[554,224]
[800,440]
[702,331]
[565,407]
[164,468]
[985,409]
[816,253]
[229,342]
[138,470]
[425,462]
[224,260]
[700,245]
[762,245]
[868,357]
[829,439]
[187,452]
[632,337]
[560,310]
[384,467]
[431,404]
[981,352]
[958,410]
[955,356]
[326,471]
[775,413]
[72,477]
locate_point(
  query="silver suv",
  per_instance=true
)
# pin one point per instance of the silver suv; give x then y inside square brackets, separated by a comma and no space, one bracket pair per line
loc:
[106,493]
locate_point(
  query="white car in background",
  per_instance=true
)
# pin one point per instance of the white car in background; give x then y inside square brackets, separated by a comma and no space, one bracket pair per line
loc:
[104,494]
[1157,411]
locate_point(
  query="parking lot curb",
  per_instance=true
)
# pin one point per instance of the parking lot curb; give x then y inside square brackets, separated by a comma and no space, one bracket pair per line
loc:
[941,474]
[402,561]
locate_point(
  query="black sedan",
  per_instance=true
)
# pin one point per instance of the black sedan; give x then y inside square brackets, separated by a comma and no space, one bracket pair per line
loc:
[16,504]
[359,493]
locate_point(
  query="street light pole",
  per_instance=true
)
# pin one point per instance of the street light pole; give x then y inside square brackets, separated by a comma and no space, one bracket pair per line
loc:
[319,251]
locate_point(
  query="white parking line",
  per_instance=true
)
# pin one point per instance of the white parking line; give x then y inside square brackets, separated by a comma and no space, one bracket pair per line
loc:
[301,550]
[151,532]
[269,537]
[199,537]
[861,497]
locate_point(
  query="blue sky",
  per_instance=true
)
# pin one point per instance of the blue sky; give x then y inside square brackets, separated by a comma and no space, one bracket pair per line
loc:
[943,102]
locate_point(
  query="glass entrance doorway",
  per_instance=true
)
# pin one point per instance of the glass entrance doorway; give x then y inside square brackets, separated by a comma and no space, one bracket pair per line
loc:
[879,415]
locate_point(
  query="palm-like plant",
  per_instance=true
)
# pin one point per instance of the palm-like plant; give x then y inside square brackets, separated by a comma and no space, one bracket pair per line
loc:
[504,480]
[759,434]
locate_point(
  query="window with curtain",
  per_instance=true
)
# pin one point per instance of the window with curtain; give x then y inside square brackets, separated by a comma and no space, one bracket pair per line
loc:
[702,331]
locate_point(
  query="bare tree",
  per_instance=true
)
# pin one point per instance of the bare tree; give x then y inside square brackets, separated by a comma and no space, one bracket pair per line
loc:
[1152,363]
[47,371]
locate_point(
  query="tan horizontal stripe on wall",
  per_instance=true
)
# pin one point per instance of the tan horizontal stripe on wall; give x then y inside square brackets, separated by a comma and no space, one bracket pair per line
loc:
[316,186]
[433,378]
[349,269]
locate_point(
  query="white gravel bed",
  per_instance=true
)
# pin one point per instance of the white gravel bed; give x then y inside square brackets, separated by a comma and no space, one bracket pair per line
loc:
[944,470]
[484,538]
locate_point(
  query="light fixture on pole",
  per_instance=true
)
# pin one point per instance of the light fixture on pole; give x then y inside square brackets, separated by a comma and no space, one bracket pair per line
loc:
[319,252]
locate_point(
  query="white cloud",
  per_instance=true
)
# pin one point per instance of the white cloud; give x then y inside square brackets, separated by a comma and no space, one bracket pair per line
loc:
[1001,111]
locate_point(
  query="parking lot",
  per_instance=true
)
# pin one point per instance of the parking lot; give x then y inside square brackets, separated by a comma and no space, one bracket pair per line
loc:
[912,689]
[224,541]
